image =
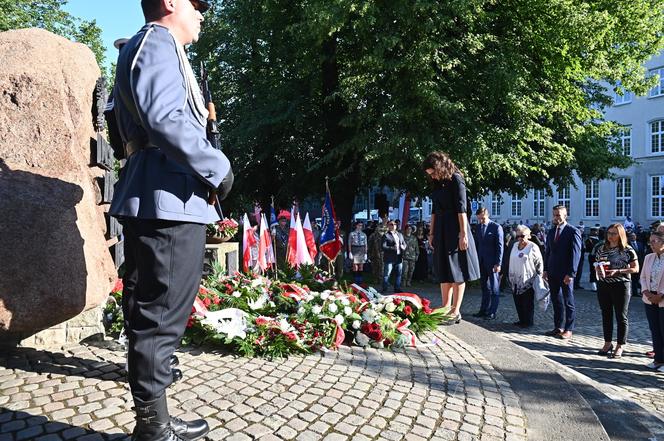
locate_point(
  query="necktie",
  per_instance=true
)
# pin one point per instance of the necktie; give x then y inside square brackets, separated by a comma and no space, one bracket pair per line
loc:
[483,230]
[557,234]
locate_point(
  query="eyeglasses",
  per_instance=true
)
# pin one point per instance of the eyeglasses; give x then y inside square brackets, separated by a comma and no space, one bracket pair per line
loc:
[520,236]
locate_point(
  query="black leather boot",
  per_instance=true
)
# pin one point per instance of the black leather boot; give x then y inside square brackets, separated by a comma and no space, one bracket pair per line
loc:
[175,361]
[190,430]
[177,375]
[153,423]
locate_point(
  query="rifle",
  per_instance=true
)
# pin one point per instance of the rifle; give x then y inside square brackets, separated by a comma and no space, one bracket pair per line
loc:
[211,130]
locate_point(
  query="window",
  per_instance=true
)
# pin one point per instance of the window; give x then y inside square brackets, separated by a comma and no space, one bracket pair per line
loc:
[563,197]
[658,90]
[538,203]
[495,205]
[625,137]
[592,198]
[657,196]
[657,136]
[623,197]
[625,98]
[516,206]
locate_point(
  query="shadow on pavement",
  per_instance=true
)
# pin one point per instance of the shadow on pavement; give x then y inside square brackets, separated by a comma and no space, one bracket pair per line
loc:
[25,426]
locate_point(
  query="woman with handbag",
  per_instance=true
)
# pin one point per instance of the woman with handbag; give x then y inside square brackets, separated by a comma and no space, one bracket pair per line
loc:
[525,265]
[615,262]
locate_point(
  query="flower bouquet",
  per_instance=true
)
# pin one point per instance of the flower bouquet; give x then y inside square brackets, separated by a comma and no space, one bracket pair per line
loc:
[221,231]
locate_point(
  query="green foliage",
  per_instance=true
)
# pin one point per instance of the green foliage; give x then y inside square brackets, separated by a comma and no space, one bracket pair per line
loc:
[49,15]
[360,89]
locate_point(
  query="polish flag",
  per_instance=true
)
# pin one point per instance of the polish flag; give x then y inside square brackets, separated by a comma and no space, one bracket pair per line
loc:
[292,240]
[265,250]
[248,241]
[309,237]
[302,256]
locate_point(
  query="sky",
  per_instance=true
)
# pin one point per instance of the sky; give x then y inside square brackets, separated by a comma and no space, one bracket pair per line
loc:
[116,18]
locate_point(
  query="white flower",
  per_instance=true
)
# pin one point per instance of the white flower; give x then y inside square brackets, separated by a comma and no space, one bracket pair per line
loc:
[333,308]
[379,307]
[316,309]
[362,339]
[345,301]
[369,315]
[356,324]
[390,307]
[272,305]
[257,282]
[301,310]
[324,295]
[314,294]
[258,303]
[348,310]
[339,319]
[236,294]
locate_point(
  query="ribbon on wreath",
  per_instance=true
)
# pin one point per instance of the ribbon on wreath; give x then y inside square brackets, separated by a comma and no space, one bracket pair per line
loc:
[408,297]
[294,292]
[403,329]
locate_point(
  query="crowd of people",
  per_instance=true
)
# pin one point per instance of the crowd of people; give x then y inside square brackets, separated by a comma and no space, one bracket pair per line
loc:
[541,265]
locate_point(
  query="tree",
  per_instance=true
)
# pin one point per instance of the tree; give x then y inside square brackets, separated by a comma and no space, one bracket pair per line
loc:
[361,91]
[49,15]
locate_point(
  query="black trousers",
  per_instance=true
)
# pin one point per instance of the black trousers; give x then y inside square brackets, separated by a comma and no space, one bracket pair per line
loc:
[525,307]
[163,268]
[614,298]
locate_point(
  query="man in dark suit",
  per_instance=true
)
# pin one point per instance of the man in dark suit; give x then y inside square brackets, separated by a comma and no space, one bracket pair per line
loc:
[561,260]
[489,242]
[393,245]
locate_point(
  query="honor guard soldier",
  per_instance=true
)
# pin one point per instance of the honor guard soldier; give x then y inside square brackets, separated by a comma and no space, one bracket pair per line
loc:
[164,197]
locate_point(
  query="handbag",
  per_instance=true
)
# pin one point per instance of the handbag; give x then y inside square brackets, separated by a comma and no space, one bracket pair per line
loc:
[542,292]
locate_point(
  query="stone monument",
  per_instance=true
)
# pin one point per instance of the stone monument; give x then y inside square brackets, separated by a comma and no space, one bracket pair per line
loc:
[55,267]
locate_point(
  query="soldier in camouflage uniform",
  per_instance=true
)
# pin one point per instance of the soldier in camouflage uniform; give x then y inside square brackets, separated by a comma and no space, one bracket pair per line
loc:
[410,256]
[376,251]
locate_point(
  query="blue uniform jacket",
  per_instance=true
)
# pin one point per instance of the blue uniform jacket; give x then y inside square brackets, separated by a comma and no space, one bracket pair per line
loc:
[561,257]
[490,247]
[154,106]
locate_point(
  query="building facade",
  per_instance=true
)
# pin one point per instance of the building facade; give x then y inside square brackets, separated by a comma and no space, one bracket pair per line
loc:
[637,191]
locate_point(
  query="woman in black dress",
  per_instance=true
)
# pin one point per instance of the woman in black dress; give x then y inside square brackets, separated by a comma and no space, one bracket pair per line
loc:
[454,255]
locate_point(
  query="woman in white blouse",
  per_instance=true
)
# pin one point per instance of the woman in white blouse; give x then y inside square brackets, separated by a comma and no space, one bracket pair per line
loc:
[652,289]
[525,263]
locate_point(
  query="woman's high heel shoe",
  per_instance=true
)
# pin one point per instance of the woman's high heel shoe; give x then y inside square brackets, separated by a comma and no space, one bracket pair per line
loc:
[607,352]
[617,353]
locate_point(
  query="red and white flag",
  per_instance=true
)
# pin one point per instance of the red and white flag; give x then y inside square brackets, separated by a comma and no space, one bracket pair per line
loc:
[309,237]
[265,250]
[248,241]
[302,256]
[292,241]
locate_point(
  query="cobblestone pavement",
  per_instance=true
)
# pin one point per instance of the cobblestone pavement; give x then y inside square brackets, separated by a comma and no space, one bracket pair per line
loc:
[442,390]
[627,377]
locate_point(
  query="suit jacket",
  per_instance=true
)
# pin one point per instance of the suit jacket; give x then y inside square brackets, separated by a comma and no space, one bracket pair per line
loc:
[490,246]
[646,271]
[389,246]
[561,257]
[157,107]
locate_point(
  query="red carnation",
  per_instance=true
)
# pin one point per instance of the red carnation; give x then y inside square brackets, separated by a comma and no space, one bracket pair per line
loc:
[216,300]
[261,321]
[203,290]
[397,302]
[426,303]
[407,310]
[207,302]
[118,286]
[290,335]
[190,322]
[427,310]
